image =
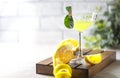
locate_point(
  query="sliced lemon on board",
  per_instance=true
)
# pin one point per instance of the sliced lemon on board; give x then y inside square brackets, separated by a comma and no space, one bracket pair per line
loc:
[65,51]
[93,58]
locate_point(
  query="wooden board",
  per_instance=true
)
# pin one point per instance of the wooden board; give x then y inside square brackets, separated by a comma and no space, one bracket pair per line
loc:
[79,71]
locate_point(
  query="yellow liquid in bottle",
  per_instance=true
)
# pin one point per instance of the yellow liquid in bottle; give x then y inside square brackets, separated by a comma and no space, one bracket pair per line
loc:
[81,25]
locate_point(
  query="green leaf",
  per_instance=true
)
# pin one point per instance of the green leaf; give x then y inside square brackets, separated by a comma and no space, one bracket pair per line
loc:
[68,22]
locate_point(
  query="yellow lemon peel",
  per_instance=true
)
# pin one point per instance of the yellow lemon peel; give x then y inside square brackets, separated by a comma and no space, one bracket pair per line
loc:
[65,51]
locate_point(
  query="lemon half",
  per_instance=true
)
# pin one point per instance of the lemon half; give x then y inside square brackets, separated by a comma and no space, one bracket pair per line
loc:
[65,51]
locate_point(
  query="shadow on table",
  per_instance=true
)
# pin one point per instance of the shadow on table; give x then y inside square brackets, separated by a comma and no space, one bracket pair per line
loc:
[112,71]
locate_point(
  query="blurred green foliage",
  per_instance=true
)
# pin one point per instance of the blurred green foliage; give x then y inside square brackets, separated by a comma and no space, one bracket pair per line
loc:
[106,31]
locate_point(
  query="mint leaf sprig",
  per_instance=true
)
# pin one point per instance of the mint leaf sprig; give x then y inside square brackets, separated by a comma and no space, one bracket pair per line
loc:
[68,21]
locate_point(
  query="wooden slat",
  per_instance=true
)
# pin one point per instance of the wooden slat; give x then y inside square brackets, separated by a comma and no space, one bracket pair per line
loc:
[44,69]
[77,73]
[46,61]
[95,51]
[107,53]
[85,51]
[74,65]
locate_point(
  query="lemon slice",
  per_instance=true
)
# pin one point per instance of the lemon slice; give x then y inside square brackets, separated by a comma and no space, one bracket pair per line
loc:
[94,58]
[62,68]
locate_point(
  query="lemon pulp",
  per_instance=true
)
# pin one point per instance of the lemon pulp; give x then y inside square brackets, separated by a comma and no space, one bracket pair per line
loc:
[65,51]
[63,54]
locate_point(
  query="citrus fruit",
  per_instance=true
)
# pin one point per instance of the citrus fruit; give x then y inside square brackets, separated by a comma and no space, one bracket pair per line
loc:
[63,54]
[63,74]
[65,51]
[94,58]
[62,68]
[72,43]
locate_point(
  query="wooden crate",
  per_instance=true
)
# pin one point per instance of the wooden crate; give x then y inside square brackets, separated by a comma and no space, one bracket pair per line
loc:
[79,71]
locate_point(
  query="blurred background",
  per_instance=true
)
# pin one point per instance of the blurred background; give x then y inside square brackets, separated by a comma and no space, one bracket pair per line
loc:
[31,29]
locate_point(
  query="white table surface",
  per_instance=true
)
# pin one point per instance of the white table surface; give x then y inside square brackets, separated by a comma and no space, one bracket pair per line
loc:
[18,61]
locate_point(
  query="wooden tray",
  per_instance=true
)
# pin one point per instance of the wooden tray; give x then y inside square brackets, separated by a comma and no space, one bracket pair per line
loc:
[79,71]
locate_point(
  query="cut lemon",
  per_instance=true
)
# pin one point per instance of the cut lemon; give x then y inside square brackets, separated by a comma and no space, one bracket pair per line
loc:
[94,58]
[71,42]
[65,51]
[65,54]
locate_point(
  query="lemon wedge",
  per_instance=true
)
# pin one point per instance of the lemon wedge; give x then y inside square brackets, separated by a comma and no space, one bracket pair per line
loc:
[94,58]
